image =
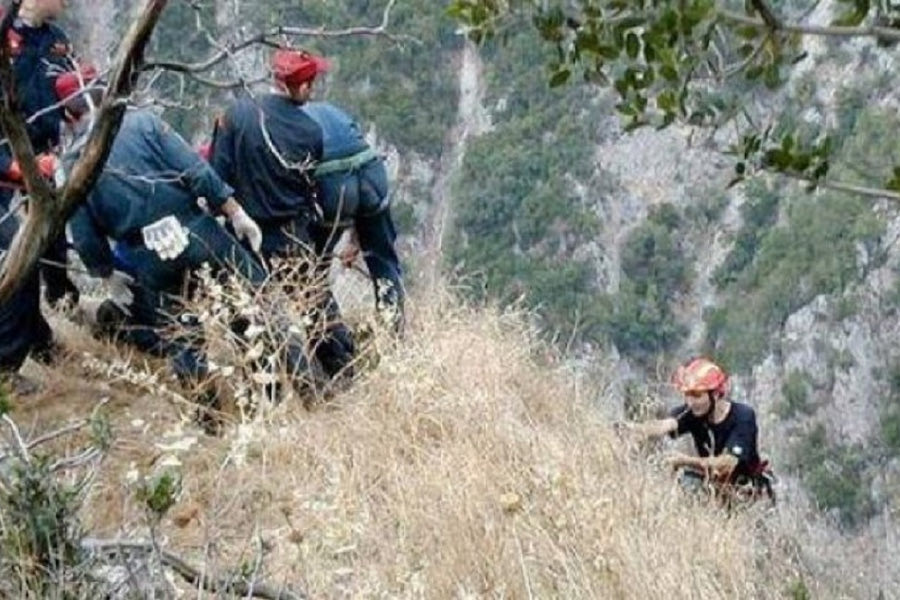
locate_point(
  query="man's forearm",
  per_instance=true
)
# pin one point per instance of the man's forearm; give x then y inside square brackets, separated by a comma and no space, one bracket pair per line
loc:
[720,465]
[656,428]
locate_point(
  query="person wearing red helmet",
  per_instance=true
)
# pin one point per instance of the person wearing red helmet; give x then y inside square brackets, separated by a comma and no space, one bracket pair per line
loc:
[145,201]
[724,432]
[266,147]
[37,48]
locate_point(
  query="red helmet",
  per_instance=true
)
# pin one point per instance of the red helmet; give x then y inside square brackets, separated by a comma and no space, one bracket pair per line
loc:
[70,82]
[293,67]
[701,375]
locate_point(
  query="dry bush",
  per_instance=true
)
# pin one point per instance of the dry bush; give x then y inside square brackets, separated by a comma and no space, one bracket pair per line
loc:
[462,466]
[464,461]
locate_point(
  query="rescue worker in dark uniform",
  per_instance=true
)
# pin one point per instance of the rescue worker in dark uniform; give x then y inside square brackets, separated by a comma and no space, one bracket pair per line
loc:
[39,50]
[265,148]
[724,433]
[146,201]
[353,193]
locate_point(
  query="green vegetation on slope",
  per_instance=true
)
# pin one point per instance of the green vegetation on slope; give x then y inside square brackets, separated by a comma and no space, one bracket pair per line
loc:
[518,212]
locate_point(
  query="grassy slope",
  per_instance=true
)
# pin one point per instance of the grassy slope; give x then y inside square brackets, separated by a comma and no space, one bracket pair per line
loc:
[463,466]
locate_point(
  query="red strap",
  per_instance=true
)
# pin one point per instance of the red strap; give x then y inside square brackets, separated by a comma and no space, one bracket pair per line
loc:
[760,467]
[14,172]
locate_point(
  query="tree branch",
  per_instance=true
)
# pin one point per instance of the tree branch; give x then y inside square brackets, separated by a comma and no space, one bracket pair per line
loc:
[189,573]
[839,186]
[766,13]
[13,124]
[875,31]
[48,213]
[264,38]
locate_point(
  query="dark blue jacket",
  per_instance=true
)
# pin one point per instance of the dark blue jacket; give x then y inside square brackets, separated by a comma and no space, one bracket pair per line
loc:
[39,55]
[268,190]
[352,179]
[341,135]
[151,173]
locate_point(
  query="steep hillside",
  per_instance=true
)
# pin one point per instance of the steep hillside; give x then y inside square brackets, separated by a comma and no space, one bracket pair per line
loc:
[469,463]
[629,252]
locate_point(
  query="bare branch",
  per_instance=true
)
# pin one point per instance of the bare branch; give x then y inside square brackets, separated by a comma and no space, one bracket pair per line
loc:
[189,573]
[209,63]
[839,186]
[265,38]
[20,443]
[884,33]
[380,30]
[12,123]
[47,213]
[767,14]
[49,436]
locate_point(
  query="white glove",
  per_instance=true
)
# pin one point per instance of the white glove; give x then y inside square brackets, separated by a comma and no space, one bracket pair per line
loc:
[246,228]
[119,286]
[167,237]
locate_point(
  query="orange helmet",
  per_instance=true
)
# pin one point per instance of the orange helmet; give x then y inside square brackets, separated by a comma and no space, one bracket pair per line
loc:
[701,375]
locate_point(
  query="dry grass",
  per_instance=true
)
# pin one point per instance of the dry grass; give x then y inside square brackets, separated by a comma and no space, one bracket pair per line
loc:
[464,465]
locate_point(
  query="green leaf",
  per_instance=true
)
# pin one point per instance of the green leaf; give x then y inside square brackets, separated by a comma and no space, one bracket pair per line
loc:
[560,77]
[587,41]
[631,22]
[801,162]
[747,32]
[649,51]
[626,108]
[821,170]
[778,159]
[753,72]
[854,16]
[641,80]
[607,51]
[772,76]
[666,101]
[456,10]
[641,103]
[668,72]
[787,143]
[893,183]
[632,45]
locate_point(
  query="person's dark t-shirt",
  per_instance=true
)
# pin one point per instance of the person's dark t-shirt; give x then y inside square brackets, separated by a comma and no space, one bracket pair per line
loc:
[242,154]
[735,435]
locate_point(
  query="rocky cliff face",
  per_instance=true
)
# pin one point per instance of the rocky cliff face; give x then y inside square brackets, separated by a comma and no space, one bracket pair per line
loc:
[841,346]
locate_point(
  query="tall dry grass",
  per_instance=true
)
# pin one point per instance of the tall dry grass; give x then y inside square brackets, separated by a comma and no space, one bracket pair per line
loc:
[464,465]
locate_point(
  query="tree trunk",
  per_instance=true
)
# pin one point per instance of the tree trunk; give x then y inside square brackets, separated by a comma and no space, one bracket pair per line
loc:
[48,211]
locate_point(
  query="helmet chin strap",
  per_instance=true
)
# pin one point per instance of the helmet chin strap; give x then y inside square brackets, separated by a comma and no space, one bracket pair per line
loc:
[710,414]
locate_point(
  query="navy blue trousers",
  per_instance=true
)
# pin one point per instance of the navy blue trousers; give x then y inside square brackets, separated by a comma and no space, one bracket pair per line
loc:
[23,329]
[361,194]
[161,284]
[331,340]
